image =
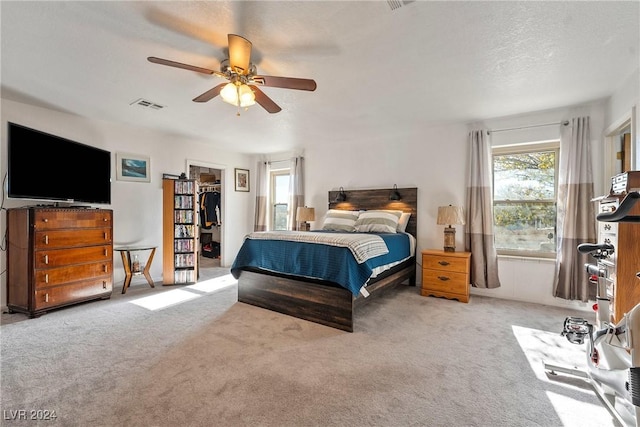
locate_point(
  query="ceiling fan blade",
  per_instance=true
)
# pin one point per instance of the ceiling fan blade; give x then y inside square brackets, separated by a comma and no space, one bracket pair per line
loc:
[180,65]
[210,94]
[265,101]
[239,53]
[286,82]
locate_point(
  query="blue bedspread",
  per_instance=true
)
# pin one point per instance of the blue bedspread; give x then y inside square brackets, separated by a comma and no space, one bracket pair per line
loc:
[318,261]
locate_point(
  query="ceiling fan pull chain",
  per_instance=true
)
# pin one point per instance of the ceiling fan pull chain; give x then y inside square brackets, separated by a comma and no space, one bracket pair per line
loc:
[238,92]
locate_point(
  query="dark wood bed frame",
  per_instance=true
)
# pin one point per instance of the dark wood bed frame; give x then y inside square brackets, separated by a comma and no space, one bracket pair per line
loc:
[325,302]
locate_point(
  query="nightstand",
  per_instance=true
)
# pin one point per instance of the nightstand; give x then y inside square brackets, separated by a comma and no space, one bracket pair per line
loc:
[446,274]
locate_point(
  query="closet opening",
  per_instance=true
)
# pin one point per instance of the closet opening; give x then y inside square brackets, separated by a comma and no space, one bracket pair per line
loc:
[210,178]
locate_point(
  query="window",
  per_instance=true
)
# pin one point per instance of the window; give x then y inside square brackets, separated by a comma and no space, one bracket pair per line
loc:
[524,199]
[279,198]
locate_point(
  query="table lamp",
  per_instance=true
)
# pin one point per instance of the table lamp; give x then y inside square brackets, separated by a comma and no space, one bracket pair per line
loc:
[304,214]
[448,215]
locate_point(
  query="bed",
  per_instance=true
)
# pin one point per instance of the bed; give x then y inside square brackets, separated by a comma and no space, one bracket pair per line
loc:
[325,300]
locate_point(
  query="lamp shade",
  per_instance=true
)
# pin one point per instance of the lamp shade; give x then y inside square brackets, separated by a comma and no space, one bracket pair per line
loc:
[304,214]
[449,215]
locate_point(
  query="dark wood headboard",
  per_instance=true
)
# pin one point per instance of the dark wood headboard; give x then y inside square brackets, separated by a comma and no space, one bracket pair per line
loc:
[379,199]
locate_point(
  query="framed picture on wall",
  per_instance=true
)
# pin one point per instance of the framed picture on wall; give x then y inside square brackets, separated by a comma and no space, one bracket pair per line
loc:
[242,179]
[133,167]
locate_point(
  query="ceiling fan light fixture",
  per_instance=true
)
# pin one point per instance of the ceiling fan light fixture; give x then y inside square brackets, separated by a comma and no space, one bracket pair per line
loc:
[232,93]
[246,95]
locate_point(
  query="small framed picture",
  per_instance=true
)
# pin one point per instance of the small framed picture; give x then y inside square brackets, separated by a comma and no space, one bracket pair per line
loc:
[242,179]
[133,167]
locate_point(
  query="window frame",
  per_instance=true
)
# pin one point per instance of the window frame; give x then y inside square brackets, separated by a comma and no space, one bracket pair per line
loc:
[273,174]
[529,147]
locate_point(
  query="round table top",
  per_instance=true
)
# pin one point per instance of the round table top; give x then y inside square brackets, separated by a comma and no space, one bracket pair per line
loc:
[134,248]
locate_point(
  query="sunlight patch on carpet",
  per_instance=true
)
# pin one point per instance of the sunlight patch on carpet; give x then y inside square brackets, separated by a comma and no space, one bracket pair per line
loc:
[165,299]
[542,347]
[214,284]
[566,408]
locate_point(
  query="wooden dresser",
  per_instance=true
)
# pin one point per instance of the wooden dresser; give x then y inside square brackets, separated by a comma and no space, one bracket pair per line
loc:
[446,274]
[57,257]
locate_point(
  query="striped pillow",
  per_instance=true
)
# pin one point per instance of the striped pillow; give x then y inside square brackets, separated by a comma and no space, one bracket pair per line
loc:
[378,221]
[339,220]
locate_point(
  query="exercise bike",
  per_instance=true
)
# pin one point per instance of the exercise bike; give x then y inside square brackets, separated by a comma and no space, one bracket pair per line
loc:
[613,350]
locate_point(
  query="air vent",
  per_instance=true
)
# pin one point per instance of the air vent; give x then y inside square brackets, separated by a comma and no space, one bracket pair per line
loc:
[147,104]
[397,4]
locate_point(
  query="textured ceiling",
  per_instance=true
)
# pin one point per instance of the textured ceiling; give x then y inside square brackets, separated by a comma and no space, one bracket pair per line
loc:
[377,69]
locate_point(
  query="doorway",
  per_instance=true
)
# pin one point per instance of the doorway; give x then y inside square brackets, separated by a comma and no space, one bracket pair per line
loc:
[210,178]
[619,153]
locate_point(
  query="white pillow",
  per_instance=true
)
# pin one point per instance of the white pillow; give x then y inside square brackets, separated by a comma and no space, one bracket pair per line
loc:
[404,220]
[339,220]
[378,221]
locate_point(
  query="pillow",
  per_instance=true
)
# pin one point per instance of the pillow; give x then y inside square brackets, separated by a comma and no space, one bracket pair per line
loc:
[339,220]
[378,221]
[404,220]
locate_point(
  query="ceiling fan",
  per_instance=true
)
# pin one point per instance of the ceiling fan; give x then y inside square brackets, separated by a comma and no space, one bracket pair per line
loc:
[242,88]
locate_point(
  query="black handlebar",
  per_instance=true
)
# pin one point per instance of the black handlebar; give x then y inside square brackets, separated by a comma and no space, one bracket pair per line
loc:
[587,248]
[621,214]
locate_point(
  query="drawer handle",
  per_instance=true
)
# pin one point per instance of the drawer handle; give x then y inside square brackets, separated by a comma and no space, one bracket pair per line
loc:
[443,263]
[46,297]
[45,220]
[46,278]
[105,236]
[105,219]
[105,252]
[46,259]
[106,268]
[104,284]
[443,278]
[46,239]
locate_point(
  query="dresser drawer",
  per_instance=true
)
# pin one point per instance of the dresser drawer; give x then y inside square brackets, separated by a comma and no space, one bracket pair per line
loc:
[72,218]
[71,238]
[75,292]
[56,276]
[445,281]
[61,257]
[444,263]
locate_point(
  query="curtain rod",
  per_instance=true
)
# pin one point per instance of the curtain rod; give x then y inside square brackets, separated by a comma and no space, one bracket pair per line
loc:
[564,123]
[283,160]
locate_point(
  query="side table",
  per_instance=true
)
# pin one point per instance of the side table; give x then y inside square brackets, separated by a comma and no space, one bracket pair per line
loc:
[129,272]
[446,274]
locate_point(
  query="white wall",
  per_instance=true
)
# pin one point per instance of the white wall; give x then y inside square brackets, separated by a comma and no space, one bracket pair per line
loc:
[625,102]
[137,206]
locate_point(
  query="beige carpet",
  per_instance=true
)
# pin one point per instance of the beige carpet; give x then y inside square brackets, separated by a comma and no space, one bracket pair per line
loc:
[194,356]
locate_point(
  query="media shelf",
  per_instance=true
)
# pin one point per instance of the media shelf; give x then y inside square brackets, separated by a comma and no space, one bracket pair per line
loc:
[180,241]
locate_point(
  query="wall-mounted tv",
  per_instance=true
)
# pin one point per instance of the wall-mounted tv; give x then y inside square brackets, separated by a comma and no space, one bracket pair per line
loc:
[42,166]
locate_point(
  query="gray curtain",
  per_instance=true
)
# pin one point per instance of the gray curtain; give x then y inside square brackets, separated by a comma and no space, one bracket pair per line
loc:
[576,212]
[296,190]
[479,237]
[262,195]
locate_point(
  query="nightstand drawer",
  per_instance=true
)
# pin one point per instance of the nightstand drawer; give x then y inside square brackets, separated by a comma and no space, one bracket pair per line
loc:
[445,281]
[445,263]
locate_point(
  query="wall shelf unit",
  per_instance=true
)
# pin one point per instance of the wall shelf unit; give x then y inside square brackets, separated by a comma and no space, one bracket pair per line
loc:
[179,231]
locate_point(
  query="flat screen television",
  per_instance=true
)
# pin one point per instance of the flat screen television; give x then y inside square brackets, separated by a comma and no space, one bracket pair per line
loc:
[46,167]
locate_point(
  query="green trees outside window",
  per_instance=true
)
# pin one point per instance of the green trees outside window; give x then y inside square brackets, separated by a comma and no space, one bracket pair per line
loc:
[524,201]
